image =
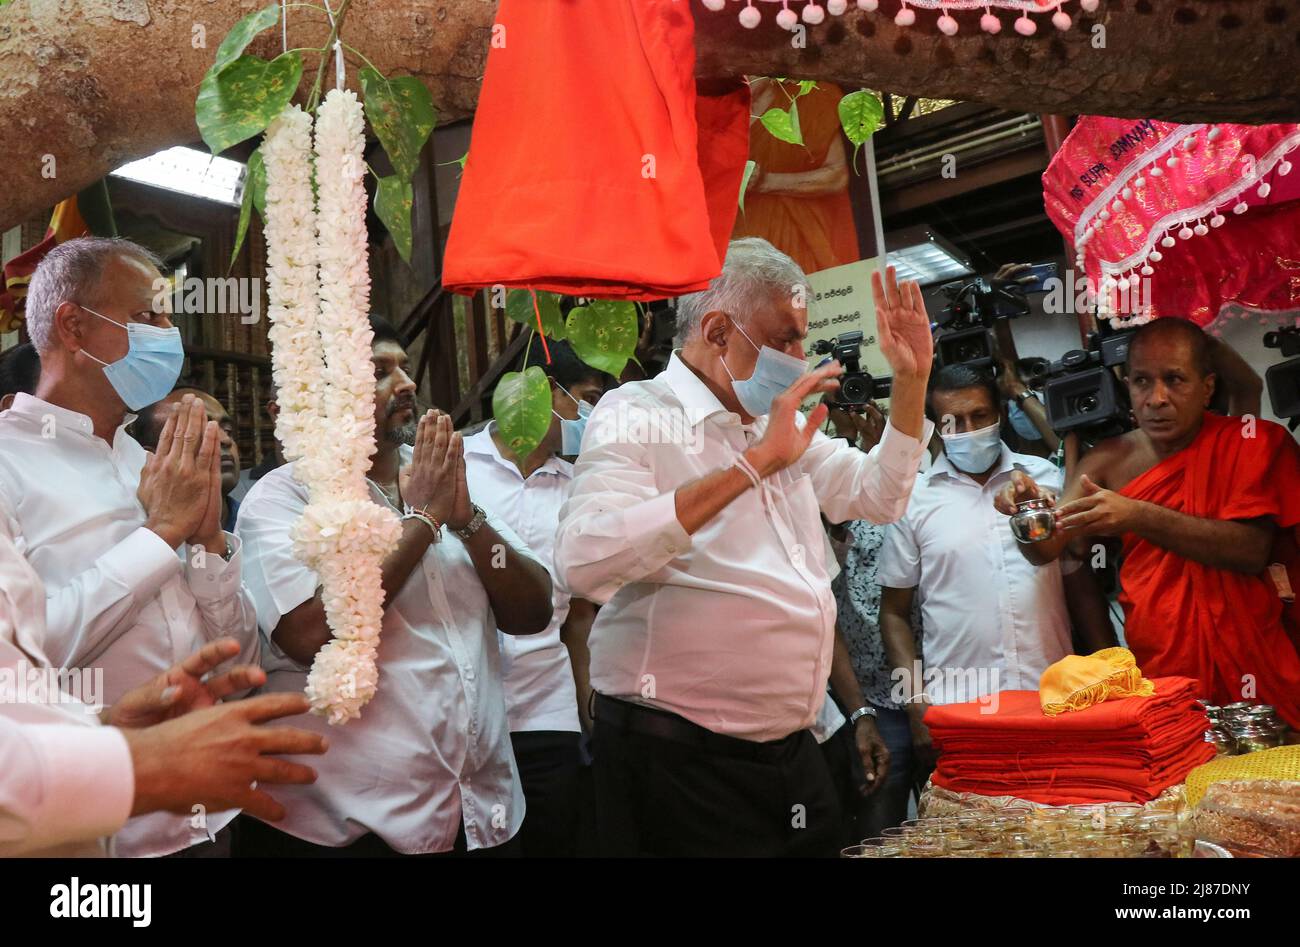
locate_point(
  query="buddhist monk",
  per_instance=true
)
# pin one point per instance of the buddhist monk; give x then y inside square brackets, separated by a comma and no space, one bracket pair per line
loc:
[1198,500]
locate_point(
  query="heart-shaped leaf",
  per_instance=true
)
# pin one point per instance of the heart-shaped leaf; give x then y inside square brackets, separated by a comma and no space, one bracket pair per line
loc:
[244,97]
[783,125]
[254,197]
[521,405]
[604,334]
[519,307]
[861,113]
[401,113]
[242,33]
[393,202]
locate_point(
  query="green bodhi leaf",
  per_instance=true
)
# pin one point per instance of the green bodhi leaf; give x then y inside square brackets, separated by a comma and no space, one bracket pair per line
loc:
[521,405]
[244,97]
[402,115]
[519,307]
[241,34]
[750,167]
[604,334]
[254,196]
[783,125]
[860,114]
[393,202]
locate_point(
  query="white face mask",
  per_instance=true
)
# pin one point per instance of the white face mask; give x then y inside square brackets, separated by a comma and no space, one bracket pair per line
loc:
[773,373]
[975,451]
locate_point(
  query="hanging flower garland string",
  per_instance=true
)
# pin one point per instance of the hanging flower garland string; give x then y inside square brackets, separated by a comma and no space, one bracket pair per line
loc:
[319,289]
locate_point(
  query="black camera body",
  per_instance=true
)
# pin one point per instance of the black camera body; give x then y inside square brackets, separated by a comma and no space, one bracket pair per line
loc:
[1082,393]
[973,308]
[1283,379]
[857,387]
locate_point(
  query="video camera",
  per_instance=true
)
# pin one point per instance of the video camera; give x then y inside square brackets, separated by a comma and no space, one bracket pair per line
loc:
[1081,391]
[857,387]
[1283,379]
[972,309]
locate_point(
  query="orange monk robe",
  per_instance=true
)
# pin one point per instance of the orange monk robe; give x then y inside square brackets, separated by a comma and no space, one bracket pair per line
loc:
[1222,627]
[818,231]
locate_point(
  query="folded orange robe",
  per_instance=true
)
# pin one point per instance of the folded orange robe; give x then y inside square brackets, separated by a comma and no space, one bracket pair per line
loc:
[1223,628]
[594,168]
[1129,750]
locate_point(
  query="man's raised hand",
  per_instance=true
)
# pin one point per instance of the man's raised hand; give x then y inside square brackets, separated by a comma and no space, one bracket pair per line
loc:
[784,441]
[176,481]
[428,482]
[902,325]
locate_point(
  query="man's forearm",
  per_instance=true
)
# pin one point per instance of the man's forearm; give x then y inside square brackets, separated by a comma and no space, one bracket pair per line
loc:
[1222,544]
[406,555]
[843,681]
[1087,606]
[900,651]
[830,179]
[574,634]
[518,587]
[907,405]
[702,500]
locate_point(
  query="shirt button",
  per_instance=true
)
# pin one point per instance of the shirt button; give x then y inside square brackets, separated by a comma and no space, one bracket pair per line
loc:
[469,673]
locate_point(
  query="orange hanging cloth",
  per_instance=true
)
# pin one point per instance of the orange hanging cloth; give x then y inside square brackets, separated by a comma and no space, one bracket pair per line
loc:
[594,167]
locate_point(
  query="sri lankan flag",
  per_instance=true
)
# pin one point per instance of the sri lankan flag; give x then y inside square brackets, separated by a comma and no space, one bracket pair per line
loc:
[66,223]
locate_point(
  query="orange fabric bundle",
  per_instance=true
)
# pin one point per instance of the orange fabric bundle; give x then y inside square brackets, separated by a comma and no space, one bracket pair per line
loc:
[594,167]
[1078,681]
[1125,750]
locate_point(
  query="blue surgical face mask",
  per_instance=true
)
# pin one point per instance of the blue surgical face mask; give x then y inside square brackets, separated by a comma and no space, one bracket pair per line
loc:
[148,371]
[774,372]
[975,451]
[571,430]
[1023,424]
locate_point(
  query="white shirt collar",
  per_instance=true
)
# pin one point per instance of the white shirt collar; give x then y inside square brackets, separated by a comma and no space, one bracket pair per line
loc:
[698,402]
[36,410]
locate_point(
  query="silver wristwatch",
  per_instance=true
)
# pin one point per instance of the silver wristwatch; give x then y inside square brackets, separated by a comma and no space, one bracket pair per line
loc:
[860,713]
[475,523]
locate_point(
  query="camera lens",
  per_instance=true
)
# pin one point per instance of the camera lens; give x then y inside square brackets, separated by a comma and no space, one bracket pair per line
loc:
[854,389]
[1085,404]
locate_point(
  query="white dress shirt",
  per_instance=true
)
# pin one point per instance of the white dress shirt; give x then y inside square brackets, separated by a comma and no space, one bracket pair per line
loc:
[432,748]
[65,782]
[540,691]
[731,628]
[117,597]
[992,621]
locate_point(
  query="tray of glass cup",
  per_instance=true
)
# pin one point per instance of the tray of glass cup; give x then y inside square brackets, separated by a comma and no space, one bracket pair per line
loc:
[1112,830]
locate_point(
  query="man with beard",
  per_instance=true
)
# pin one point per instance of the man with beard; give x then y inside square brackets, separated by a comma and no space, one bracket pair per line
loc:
[427,768]
[1197,499]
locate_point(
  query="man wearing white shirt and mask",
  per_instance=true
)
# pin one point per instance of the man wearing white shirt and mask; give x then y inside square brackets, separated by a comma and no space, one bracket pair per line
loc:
[69,782]
[991,621]
[427,767]
[694,519]
[545,675]
[137,571]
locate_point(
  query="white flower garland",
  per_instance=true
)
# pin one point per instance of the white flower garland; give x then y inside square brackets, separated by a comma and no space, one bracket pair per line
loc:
[318,284]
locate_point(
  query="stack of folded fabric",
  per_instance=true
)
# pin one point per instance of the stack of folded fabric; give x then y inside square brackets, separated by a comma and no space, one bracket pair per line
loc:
[1127,750]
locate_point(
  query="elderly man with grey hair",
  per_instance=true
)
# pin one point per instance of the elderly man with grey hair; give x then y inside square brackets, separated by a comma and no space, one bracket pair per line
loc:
[137,570]
[694,520]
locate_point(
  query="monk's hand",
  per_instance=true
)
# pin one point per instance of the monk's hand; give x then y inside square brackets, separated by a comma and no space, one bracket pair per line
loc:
[1021,488]
[1099,512]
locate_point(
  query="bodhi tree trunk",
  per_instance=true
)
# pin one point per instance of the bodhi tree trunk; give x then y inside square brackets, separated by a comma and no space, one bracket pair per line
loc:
[87,85]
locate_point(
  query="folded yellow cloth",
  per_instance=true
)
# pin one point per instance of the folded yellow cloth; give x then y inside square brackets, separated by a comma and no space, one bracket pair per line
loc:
[1079,681]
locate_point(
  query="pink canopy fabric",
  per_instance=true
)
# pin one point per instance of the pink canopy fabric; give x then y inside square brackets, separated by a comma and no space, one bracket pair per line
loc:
[1180,220]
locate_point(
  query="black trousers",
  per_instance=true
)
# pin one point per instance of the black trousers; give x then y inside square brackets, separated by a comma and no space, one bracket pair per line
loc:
[253,838]
[549,767]
[666,787]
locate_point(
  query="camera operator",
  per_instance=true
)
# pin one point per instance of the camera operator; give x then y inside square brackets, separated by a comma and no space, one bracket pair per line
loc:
[990,623]
[1197,499]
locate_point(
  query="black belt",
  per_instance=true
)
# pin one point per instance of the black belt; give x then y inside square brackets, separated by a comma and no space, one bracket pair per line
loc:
[651,722]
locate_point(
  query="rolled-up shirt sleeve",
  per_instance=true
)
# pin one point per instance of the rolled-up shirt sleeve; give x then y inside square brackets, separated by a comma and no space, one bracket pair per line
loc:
[276,580]
[617,525]
[873,486]
[225,606]
[62,783]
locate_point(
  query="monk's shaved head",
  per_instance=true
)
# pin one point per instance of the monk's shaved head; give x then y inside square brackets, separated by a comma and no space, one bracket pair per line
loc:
[1173,328]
